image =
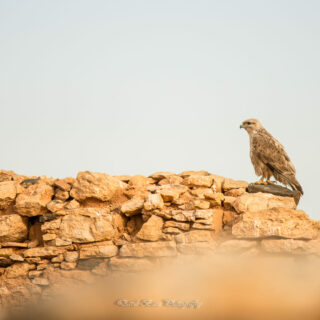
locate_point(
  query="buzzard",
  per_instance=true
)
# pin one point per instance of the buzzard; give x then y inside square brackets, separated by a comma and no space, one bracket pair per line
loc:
[269,157]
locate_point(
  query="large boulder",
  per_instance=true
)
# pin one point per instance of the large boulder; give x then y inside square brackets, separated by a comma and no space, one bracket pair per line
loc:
[276,222]
[250,202]
[87,226]
[13,227]
[7,193]
[95,185]
[33,201]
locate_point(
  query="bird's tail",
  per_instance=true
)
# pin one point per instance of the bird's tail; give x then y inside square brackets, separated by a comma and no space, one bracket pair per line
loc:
[289,179]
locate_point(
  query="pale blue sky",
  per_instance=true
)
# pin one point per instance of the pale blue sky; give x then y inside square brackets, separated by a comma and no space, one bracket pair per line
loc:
[134,87]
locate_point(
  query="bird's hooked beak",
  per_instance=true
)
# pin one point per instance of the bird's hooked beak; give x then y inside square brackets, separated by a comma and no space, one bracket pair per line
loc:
[242,126]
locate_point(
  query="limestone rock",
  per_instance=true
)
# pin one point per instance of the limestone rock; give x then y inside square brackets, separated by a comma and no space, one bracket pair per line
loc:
[95,185]
[33,201]
[197,248]
[7,193]
[61,195]
[232,246]
[79,228]
[55,205]
[149,249]
[195,236]
[153,201]
[172,192]
[62,185]
[132,207]
[250,202]
[43,252]
[185,226]
[18,270]
[130,264]
[281,222]
[13,228]
[71,256]
[151,230]
[198,181]
[161,175]
[229,184]
[98,251]
[291,246]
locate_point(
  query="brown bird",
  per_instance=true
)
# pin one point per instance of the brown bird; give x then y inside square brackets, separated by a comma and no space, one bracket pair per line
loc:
[269,157]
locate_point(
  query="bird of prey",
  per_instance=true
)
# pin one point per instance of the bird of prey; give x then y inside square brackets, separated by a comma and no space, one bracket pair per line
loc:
[269,157]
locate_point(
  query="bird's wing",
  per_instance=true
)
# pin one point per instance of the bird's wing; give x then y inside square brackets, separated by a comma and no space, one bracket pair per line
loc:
[272,153]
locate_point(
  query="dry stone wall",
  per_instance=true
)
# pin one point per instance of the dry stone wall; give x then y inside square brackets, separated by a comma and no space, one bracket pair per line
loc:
[75,229]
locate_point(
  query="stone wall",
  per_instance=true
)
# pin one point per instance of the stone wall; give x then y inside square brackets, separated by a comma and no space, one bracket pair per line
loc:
[58,230]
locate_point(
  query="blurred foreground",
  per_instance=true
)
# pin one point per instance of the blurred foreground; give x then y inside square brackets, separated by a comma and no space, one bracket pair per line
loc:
[219,287]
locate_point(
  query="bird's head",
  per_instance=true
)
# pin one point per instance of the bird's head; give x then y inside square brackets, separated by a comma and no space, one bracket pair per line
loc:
[251,125]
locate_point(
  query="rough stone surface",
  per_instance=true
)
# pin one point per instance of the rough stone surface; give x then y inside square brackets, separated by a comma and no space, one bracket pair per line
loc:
[79,228]
[33,201]
[132,207]
[153,201]
[151,230]
[130,264]
[291,246]
[13,227]
[95,185]
[101,251]
[280,222]
[149,249]
[250,202]
[7,193]
[198,181]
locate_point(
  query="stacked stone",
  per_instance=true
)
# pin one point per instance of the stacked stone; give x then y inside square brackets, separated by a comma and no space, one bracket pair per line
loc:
[78,229]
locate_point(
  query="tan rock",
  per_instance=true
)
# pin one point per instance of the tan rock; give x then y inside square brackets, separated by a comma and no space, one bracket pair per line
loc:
[229,202]
[250,202]
[174,179]
[43,282]
[59,258]
[217,182]
[6,252]
[172,192]
[149,249]
[130,264]
[49,236]
[95,185]
[201,204]
[68,265]
[153,201]
[73,204]
[171,230]
[232,246]
[228,217]
[132,207]
[51,225]
[16,257]
[197,248]
[186,174]
[62,185]
[281,222]
[185,226]
[7,193]
[33,201]
[139,181]
[18,270]
[71,256]
[55,205]
[61,195]
[151,230]
[15,244]
[98,251]
[43,252]
[200,192]
[79,228]
[161,175]
[291,246]
[229,184]
[198,181]
[216,199]
[13,228]
[195,236]
[235,192]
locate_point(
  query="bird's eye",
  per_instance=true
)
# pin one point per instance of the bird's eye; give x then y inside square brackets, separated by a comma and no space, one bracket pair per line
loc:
[248,123]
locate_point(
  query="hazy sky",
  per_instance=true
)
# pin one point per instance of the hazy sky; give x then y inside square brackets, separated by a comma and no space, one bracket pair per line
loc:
[134,87]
